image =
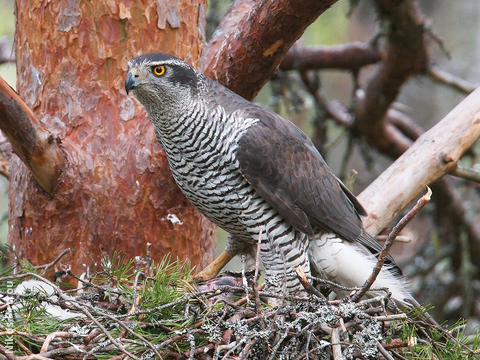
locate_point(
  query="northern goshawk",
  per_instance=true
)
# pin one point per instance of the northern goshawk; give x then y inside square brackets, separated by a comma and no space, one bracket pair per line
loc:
[251,171]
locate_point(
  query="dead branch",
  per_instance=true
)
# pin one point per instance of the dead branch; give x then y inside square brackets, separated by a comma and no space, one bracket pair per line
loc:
[399,238]
[336,344]
[37,148]
[444,191]
[466,173]
[300,328]
[306,284]
[405,56]
[450,80]
[405,124]
[434,154]
[345,56]
[253,38]
[389,242]
[51,264]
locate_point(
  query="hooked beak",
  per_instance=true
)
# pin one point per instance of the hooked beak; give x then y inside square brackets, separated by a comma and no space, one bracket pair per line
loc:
[130,82]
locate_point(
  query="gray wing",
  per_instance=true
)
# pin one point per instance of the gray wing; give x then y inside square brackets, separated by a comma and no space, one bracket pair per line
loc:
[286,169]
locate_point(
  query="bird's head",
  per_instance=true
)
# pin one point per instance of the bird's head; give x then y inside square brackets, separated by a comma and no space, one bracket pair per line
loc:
[162,82]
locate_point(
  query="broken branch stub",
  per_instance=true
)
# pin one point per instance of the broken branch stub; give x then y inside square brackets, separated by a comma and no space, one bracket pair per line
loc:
[37,148]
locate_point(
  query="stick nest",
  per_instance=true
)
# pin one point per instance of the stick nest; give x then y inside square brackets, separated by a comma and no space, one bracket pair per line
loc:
[135,309]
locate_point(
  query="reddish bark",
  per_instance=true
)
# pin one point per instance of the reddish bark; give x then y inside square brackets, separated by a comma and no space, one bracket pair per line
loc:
[29,139]
[253,38]
[115,191]
[345,56]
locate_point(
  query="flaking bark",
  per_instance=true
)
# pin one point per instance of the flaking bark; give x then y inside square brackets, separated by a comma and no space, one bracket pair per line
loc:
[115,192]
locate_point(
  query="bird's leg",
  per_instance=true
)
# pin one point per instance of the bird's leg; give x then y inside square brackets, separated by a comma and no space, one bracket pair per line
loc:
[214,267]
[281,255]
[233,247]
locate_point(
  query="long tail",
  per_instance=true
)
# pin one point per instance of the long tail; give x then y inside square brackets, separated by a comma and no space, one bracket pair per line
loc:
[351,264]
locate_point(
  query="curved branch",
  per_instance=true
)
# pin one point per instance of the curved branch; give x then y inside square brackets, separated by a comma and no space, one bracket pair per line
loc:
[37,148]
[405,56]
[253,38]
[445,78]
[345,56]
[434,154]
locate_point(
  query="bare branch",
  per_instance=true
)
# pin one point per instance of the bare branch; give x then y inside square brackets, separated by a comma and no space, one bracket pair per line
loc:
[336,344]
[51,264]
[306,284]
[345,56]
[389,242]
[253,38]
[433,155]
[466,173]
[405,124]
[405,56]
[445,78]
[399,238]
[29,139]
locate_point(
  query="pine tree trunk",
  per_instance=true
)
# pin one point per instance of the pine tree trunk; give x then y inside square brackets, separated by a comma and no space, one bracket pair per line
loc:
[114,191]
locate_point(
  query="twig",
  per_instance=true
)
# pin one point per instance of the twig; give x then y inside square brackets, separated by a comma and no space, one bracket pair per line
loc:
[388,243]
[384,352]
[46,267]
[227,356]
[90,284]
[347,288]
[467,173]
[62,352]
[391,317]
[399,238]
[277,345]
[306,284]
[24,348]
[395,343]
[127,328]
[336,346]
[191,338]
[344,56]
[445,78]
[135,299]
[50,337]
[7,353]
[106,332]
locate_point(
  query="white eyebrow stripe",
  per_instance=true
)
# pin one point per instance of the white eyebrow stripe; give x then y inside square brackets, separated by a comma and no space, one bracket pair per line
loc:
[146,62]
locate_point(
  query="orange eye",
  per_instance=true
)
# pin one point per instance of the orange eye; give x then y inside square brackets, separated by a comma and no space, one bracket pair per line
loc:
[159,70]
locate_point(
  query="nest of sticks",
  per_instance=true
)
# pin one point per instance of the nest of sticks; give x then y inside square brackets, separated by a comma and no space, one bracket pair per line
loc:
[135,309]
[139,310]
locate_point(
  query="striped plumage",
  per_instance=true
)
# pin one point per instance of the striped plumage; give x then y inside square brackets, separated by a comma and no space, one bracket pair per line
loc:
[248,169]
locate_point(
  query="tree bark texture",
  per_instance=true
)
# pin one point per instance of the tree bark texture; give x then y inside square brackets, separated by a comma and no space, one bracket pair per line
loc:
[114,191]
[253,38]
